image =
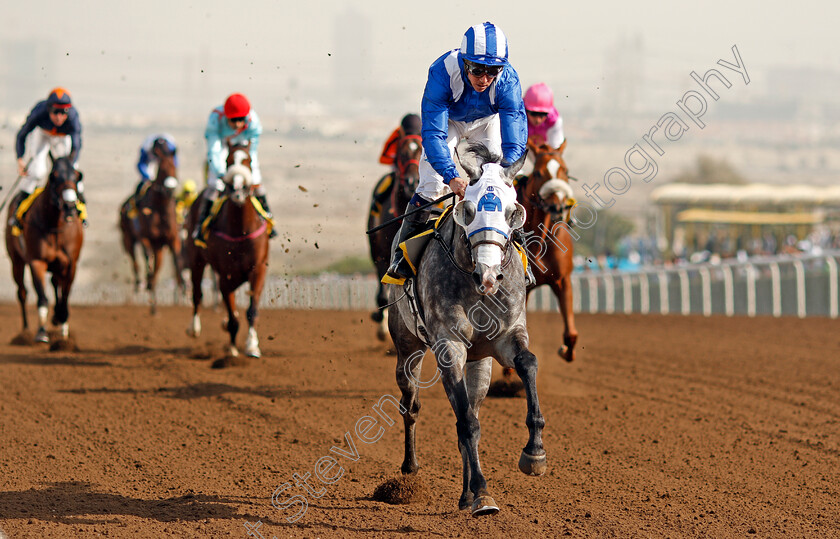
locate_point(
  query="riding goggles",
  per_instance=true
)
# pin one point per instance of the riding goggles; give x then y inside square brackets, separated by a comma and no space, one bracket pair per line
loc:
[479,70]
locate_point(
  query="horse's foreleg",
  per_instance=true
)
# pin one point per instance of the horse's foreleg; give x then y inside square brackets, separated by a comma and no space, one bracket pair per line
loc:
[532,461]
[563,290]
[18,272]
[410,353]
[129,245]
[477,374]
[257,281]
[175,248]
[232,323]
[196,275]
[381,315]
[151,282]
[61,312]
[451,360]
[38,269]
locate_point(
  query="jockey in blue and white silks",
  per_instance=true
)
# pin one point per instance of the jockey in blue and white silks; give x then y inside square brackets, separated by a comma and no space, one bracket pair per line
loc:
[234,122]
[472,93]
[152,145]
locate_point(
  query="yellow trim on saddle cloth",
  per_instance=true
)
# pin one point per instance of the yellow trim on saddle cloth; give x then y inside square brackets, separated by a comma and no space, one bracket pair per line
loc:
[523,254]
[24,206]
[263,213]
[415,246]
[27,203]
[132,212]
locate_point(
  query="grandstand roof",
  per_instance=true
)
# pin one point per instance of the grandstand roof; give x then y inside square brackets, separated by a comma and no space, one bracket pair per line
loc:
[755,193]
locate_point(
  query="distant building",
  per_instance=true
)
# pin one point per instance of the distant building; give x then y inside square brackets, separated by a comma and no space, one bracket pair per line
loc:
[756,218]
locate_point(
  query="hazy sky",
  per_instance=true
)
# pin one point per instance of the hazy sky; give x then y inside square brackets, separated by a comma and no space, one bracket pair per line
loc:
[142,52]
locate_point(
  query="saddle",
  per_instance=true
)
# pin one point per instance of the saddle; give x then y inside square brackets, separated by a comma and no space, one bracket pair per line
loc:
[132,210]
[380,193]
[201,241]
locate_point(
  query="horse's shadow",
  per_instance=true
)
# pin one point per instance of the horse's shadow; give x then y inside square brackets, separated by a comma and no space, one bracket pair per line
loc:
[66,502]
[210,389]
[52,358]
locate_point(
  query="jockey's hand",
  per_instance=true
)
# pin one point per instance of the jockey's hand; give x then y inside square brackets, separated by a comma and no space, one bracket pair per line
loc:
[21,166]
[458,186]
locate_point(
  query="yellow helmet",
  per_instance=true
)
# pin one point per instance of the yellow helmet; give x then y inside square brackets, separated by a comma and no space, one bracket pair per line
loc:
[189,185]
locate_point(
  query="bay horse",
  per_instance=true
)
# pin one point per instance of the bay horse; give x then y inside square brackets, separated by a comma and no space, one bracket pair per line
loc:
[548,198]
[470,289]
[405,181]
[155,227]
[237,249]
[50,241]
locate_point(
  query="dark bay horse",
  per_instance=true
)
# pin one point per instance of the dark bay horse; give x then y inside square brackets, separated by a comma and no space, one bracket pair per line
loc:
[50,241]
[548,198]
[405,180]
[470,286]
[155,227]
[237,249]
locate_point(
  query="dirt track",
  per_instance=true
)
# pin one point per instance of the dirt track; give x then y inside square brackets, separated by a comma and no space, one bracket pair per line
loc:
[664,427]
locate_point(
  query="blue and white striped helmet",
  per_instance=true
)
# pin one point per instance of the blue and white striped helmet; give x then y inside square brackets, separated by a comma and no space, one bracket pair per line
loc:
[485,44]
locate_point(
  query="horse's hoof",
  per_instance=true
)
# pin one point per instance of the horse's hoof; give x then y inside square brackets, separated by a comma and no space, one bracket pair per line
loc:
[376,316]
[532,464]
[253,352]
[233,352]
[42,336]
[466,501]
[484,505]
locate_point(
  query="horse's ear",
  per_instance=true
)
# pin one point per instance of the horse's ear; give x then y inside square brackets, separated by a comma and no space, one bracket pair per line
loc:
[513,170]
[517,218]
[464,212]
[562,147]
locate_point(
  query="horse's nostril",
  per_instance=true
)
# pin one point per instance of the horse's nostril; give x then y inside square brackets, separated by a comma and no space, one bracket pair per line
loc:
[476,277]
[500,276]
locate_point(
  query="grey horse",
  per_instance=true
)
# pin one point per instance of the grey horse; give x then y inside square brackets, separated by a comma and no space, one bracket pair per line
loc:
[470,288]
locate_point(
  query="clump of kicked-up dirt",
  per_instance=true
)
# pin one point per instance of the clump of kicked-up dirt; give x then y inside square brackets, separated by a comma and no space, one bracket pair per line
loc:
[402,490]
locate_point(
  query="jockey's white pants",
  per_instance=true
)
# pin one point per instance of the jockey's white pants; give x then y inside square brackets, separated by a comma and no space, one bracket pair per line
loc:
[39,144]
[486,131]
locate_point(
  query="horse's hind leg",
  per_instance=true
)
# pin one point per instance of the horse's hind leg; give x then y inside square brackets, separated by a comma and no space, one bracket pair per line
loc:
[38,269]
[175,249]
[477,374]
[380,316]
[563,290]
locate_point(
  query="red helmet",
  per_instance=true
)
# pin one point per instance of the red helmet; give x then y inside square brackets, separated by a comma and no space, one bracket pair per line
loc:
[59,98]
[237,106]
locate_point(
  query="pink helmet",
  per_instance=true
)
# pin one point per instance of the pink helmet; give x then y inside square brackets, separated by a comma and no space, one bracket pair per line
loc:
[539,98]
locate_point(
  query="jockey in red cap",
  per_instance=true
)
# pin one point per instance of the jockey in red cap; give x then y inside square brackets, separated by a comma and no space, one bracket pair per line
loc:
[235,121]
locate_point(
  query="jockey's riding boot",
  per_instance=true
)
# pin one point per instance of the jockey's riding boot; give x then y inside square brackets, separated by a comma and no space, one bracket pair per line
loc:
[263,200]
[400,268]
[203,212]
[139,188]
[14,204]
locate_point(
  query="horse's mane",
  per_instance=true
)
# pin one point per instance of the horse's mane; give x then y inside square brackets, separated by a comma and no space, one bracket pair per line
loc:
[483,153]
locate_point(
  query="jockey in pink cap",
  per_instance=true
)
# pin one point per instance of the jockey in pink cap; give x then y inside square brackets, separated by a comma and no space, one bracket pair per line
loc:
[545,126]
